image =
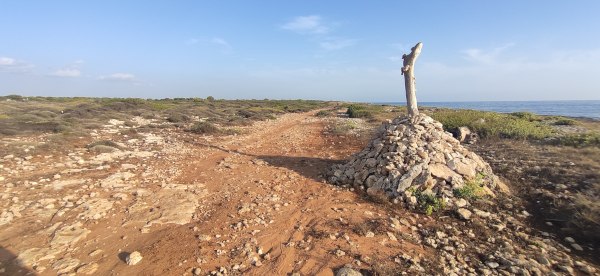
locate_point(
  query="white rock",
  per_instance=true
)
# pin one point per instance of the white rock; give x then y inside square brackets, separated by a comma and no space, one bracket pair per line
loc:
[569,240]
[577,247]
[133,258]
[464,213]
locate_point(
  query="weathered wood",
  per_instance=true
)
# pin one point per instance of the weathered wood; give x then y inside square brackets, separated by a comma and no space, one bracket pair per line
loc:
[409,79]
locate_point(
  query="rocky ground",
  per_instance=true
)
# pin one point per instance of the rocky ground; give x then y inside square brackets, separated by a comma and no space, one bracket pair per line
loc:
[164,202]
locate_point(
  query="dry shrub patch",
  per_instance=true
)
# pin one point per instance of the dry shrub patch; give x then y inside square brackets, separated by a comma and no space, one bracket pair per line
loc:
[35,115]
[204,128]
[105,143]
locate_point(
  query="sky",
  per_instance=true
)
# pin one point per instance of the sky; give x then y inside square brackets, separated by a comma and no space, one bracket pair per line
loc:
[327,50]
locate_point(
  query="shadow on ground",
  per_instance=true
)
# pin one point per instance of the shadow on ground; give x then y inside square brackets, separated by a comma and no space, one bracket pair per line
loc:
[8,266]
[310,167]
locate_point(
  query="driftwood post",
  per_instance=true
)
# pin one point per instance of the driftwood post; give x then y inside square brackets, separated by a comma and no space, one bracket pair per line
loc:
[409,79]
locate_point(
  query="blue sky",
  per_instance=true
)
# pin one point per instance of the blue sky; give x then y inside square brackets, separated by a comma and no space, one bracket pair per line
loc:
[332,50]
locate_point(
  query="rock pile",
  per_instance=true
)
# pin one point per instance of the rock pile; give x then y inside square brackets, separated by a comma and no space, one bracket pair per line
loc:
[406,159]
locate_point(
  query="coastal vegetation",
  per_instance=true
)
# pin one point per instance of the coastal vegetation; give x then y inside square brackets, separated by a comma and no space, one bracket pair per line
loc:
[552,130]
[28,115]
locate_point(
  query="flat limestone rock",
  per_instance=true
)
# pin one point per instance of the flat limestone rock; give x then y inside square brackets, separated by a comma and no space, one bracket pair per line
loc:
[6,217]
[109,157]
[69,235]
[95,208]
[442,171]
[65,265]
[60,184]
[173,204]
[177,208]
[32,256]
[117,180]
[87,269]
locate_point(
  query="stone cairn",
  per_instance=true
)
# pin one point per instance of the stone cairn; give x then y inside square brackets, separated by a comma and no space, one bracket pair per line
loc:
[413,154]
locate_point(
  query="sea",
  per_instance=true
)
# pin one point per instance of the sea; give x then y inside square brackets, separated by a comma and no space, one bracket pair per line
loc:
[581,109]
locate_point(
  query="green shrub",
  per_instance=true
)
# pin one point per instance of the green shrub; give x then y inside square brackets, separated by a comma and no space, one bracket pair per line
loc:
[177,118]
[47,126]
[342,127]
[323,113]
[428,203]
[565,122]
[590,139]
[358,111]
[472,188]
[160,105]
[204,128]
[14,97]
[490,124]
[526,116]
[258,113]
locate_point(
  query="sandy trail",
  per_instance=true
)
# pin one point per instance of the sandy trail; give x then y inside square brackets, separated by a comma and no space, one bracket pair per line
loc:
[268,197]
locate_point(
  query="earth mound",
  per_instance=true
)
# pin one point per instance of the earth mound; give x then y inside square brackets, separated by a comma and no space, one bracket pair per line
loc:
[405,160]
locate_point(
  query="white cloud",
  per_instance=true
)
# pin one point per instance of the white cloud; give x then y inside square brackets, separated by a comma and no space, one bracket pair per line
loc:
[318,31]
[69,71]
[6,61]
[496,74]
[311,24]
[485,56]
[12,65]
[66,73]
[336,43]
[192,41]
[225,46]
[118,77]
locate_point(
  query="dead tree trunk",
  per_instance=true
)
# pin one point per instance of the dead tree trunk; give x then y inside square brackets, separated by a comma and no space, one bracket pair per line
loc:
[409,79]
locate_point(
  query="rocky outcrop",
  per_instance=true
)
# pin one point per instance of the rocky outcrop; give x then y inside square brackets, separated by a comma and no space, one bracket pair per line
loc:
[406,158]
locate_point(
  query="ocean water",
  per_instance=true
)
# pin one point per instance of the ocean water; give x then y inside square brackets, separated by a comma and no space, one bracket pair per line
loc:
[587,109]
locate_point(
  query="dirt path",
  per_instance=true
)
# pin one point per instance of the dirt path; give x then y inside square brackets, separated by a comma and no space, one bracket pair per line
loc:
[270,207]
[253,204]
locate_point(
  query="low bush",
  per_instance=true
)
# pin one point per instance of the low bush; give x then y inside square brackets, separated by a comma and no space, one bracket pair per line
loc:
[104,143]
[342,127]
[323,113]
[526,116]
[204,128]
[489,124]
[428,203]
[565,122]
[177,118]
[472,189]
[590,139]
[359,111]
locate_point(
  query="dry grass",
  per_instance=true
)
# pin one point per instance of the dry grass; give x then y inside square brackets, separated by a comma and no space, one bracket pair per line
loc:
[587,210]
[377,226]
